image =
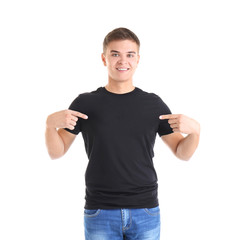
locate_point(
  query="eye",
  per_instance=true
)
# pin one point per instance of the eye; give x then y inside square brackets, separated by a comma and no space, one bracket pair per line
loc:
[115,55]
[130,55]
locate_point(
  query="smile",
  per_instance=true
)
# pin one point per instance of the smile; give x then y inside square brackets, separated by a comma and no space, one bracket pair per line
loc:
[122,69]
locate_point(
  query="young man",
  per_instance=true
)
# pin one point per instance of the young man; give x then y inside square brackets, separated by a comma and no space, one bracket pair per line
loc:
[119,123]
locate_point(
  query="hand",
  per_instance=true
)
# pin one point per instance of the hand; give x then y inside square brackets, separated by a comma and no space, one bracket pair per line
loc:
[64,119]
[181,123]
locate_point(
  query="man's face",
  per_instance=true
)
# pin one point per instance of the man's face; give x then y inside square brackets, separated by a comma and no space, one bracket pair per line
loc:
[121,58]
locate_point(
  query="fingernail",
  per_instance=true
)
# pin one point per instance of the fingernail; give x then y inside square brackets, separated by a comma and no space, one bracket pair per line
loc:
[160,117]
[86,116]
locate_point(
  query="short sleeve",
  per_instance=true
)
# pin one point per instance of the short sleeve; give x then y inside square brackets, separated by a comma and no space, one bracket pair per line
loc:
[75,106]
[164,127]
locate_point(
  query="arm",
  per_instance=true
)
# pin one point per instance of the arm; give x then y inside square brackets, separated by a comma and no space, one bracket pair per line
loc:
[59,141]
[182,147]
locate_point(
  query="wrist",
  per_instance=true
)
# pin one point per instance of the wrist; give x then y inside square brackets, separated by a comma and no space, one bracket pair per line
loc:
[196,130]
[49,124]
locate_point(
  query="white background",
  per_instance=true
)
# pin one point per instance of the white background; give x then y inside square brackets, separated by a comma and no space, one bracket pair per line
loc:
[50,52]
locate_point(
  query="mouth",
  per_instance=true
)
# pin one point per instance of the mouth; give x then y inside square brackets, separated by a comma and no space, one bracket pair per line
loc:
[122,69]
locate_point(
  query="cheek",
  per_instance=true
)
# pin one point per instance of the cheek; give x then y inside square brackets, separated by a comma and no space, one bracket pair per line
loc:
[111,63]
[133,63]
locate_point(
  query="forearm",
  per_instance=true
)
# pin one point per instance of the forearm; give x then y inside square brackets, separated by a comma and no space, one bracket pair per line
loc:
[54,143]
[187,146]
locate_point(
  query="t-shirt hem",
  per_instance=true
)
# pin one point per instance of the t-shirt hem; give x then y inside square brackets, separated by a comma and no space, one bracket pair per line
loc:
[165,134]
[69,130]
[119,207]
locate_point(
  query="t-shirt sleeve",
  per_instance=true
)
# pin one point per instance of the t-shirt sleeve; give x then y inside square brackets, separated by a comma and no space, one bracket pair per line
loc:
[75,106]
[164,127]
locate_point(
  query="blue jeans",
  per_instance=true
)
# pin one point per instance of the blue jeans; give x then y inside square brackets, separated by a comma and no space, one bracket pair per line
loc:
[119,224]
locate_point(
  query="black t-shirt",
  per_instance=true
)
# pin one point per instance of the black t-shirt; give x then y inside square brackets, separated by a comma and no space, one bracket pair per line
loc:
[119,137]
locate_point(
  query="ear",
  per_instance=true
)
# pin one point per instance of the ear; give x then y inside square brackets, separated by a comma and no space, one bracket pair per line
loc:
[104,59]
[138,58]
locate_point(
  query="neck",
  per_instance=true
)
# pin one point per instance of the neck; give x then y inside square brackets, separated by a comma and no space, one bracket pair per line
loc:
[120,88]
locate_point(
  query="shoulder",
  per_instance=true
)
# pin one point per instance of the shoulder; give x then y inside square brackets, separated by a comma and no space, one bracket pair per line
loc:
[86,96]
[85,99]
[151,95]
[156,101]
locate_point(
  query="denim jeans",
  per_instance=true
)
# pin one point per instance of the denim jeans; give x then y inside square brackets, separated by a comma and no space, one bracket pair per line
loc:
[119,224]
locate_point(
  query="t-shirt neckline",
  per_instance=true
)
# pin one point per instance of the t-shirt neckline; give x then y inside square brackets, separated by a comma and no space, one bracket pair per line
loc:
[119,94]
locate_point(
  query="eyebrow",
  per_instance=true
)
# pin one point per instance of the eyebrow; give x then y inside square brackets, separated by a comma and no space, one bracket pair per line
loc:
[119,52]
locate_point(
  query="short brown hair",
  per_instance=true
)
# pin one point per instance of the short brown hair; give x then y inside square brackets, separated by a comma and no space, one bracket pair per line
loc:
[120,34]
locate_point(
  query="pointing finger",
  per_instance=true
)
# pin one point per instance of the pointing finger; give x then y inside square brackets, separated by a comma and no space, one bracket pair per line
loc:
[78,114]
[168,116]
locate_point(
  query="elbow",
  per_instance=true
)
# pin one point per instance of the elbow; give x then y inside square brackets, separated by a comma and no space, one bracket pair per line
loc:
[183,157]
[55,153]
[54,156]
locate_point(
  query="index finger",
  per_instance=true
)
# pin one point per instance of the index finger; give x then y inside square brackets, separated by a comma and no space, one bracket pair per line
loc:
[78,114]
[168,116]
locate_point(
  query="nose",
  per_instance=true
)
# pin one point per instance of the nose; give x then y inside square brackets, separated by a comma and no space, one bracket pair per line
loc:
[122,60]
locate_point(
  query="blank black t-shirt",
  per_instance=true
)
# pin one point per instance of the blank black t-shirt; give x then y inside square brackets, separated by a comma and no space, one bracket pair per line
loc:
[119,137]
